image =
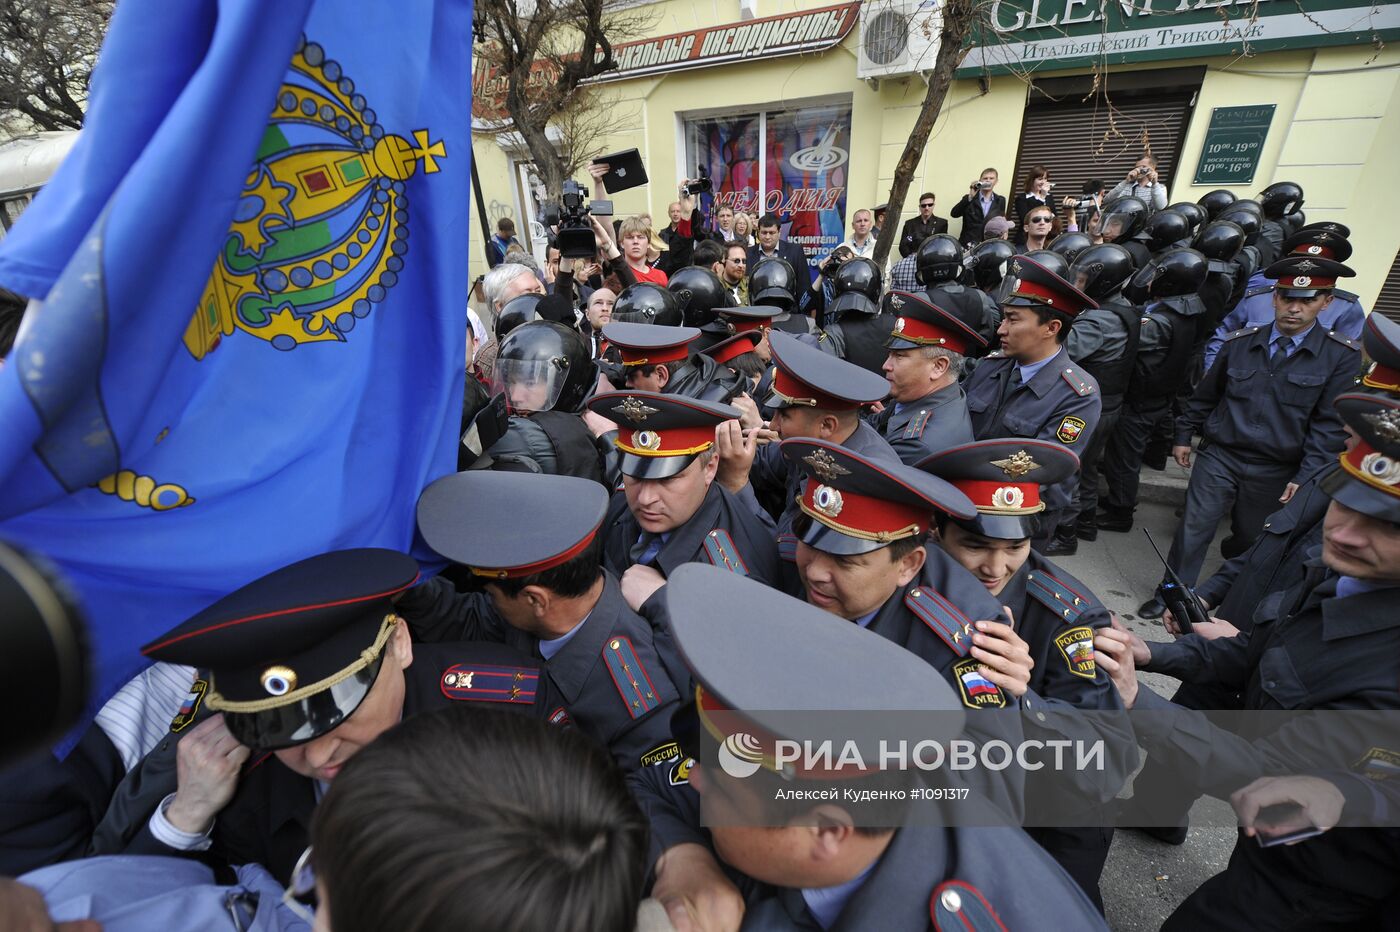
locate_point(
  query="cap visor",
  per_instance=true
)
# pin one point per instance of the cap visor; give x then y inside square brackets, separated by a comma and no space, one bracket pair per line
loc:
[655,467]
[823,538]
[999,527]
[309,718]
[1343,487]
[1301,292]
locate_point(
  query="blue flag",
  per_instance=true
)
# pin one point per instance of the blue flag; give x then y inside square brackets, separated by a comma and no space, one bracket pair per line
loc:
[252,269]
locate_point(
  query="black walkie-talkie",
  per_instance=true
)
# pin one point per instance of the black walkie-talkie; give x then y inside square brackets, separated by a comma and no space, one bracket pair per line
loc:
[1178,597]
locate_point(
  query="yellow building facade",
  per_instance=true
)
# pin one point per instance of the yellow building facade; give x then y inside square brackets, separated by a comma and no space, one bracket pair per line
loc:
[773,96]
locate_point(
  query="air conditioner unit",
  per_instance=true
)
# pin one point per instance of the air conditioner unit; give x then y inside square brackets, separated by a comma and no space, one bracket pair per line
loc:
[898,37]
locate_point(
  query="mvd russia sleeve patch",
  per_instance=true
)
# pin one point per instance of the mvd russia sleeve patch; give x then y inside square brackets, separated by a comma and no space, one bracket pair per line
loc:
[661,754]
[630,677]
[976,690]
[1379,764]
[720,550]
[489,683]
[680,772]
[956,905]
[190,707]
[1070,429]
[1077,647]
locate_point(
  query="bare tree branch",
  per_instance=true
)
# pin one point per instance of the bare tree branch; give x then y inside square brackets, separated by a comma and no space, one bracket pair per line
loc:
[47,52]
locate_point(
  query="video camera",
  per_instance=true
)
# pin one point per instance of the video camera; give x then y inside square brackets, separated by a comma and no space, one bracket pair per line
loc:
[575,238]
[702,185]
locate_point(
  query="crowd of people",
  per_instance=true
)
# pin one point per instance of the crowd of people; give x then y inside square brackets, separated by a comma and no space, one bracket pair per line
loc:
[703,475]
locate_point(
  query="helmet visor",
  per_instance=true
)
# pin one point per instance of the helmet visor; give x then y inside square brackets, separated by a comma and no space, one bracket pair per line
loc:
[529,385]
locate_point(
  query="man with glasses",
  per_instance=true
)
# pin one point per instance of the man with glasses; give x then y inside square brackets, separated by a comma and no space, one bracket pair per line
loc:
[734,272]
[917,229]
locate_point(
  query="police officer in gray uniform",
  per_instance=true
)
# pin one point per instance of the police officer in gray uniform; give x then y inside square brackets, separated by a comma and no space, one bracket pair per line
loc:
[940,268]
[1329,644]
[1057,616]
[1104,340]
[813,395]
[928,347]
[904,879]
[1265,415]
[533,544]
[670,509]
[1034,389]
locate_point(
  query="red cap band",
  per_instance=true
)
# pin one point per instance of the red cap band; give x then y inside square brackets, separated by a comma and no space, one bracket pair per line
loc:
[1382,377]
[1374,468]
[674,441]
[862,516]
[1040,294]
[1314,249]
[653,356]
[1305,281]
[759,746]
[1002,498]
[918,331]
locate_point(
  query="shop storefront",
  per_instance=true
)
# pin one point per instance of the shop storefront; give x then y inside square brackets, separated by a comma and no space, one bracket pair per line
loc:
[803,110]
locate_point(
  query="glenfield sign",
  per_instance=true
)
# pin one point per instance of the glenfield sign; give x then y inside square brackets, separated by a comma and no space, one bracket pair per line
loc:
[1049,35]
[770,37]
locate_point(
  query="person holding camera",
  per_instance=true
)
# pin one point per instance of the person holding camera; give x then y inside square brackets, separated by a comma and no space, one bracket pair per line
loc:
[980,204]
[1036,195]
[1142,183]
[686,227]
[1081,212]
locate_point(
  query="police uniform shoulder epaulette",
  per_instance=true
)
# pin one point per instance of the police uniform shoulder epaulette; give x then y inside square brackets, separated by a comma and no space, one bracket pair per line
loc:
[1345,340]
[915,428]
[490,683]
[721,551]
[942,617]
[1064,599]
[1078,382]
[1242,332]
[1258,290]
[787,547]
[1343,295]
[629,676]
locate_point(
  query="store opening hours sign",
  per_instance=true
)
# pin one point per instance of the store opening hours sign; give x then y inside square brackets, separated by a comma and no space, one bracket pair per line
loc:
[1234,142]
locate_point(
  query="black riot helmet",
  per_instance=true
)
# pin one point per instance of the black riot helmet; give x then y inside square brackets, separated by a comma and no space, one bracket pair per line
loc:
[1219,241]
[772,283]
[543,366]
[989,261]
[699,292]
[1176,272]
[1070,245]
[1246,219]
[646,303]
[1251,205]
[1195,214]
[1051,260]
[939,259]
[1280,199]
[518,310]
[1101,271]
[1165,229]
[1293,222]
[858,285]
[1122,220]
[1215,202]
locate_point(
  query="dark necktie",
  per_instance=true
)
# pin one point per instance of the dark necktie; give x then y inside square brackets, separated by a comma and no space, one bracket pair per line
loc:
[1279,352]
[1008,388]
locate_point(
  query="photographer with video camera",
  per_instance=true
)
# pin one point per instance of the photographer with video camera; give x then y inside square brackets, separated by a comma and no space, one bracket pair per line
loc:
[1142,183]
[1081,212]
[980,204]
[687,225]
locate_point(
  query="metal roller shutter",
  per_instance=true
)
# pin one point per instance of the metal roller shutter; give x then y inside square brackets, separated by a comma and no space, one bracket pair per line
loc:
[1081,141]
[1388,302]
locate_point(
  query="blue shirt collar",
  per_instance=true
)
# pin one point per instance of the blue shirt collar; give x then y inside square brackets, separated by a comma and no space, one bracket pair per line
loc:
[1028,371]
[826,903]
[1349,585]
[549,648]
[1296,340]
[865,620]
